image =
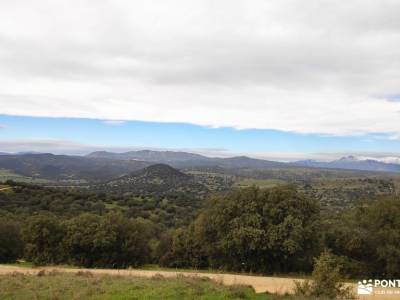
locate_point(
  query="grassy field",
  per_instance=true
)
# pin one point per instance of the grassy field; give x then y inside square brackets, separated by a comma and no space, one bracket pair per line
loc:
[9,175]
[84,285]
[261,183]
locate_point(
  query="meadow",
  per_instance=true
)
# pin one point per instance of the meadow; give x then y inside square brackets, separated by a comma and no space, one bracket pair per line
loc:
[85,285]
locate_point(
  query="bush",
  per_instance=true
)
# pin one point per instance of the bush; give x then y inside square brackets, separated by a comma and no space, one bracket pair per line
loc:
[109,241]
[87,240]
[327,280]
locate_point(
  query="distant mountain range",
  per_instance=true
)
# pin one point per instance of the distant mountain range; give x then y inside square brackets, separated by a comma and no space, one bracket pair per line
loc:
[352,163]
[189,160]
[149,155]
[102,166]
[20,153]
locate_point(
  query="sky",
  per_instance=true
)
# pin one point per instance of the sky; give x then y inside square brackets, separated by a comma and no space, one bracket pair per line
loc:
[279,79]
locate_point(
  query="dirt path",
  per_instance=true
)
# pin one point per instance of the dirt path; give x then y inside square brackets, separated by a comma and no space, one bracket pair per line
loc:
[261,284]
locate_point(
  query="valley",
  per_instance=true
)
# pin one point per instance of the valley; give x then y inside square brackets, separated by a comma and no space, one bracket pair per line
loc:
[149,174]
[180,211]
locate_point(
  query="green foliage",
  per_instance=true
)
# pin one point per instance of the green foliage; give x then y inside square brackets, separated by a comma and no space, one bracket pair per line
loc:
[25,200]
[251,230]
[43,235]
[87,240]
[368,238]
[155,180]
[273,230]
[170,210]
[11,245]
[327,280]
[343,193]
[327,277]
[109,241]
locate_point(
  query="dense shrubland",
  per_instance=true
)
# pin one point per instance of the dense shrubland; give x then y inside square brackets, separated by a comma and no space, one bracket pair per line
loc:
[366,239]
[275,230]
[11,245]
[87,240]
[169,210]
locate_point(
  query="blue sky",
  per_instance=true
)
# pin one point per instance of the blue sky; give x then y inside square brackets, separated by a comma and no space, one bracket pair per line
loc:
[79,136]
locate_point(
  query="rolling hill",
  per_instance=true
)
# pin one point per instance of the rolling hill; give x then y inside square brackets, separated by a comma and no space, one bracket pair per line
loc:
[158,179]
[65,167]
[185,160]
[190,160]
[100,167]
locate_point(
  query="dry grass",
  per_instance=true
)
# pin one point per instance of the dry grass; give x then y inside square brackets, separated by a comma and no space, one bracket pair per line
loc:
[85,285]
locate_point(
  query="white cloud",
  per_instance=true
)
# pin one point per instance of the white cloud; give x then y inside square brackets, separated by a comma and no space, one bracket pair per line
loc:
[113,122]
[385,159]
[328,67]
[394,137]
[44,146]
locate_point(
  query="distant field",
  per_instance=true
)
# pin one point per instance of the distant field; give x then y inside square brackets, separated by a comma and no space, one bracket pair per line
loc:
[4,187]
[215,181]
[212,180]
[344,192]
[261,183]
[9,175]
[84,285]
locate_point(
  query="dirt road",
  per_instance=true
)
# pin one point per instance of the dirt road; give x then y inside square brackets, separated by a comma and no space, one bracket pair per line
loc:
[261,284]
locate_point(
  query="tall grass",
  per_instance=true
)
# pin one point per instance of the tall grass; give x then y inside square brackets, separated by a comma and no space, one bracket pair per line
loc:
[85,285]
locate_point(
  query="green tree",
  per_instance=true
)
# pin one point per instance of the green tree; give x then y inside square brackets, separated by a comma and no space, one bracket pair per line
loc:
[368,238]
[131,246]
[85,239]
[109,241]
[43,235]
[11,245]
[252,230]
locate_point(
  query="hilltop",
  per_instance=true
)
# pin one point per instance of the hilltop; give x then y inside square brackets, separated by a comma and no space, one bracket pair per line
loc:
[157,179]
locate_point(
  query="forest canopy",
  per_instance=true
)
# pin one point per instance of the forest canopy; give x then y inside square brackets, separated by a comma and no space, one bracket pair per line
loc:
[274,230]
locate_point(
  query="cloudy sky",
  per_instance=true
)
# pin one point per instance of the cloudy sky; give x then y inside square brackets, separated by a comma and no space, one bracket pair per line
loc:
[289,78]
